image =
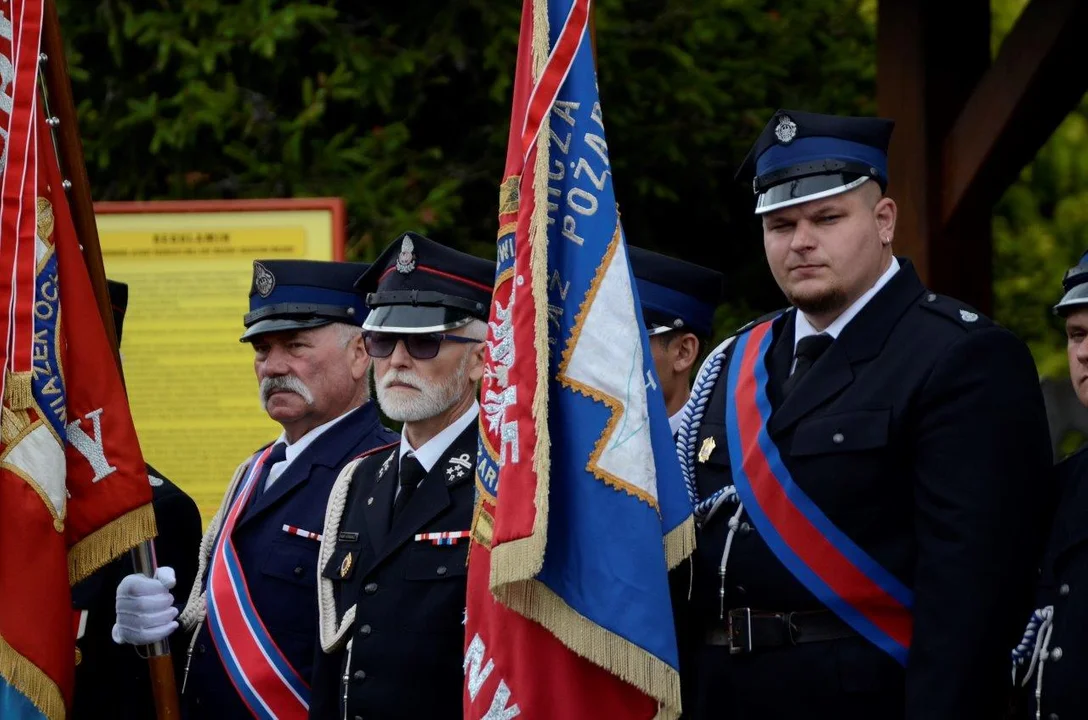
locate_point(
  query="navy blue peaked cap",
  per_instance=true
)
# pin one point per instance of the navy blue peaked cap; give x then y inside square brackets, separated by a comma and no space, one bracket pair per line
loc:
[419,286]
[1075,285]
[803,156]
[301,294]
[675,294]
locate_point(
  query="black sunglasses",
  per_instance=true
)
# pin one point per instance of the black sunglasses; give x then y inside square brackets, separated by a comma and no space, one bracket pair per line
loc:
[422,346]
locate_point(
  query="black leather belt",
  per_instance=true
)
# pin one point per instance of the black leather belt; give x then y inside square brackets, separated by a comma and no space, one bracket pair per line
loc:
[749,629]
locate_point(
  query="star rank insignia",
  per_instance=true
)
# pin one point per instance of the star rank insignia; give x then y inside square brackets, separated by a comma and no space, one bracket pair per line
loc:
[385,465]
[458,467]
[706,448]
[345,567]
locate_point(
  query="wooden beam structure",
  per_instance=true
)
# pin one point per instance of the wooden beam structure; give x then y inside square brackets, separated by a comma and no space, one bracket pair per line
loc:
[966,126]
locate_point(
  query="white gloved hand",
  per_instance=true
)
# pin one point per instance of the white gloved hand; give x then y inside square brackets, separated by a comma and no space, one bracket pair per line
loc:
[145,608]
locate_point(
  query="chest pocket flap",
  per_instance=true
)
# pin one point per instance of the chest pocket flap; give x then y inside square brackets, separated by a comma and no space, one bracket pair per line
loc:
[341,565]
[425,561]
[843,432]
[293,561]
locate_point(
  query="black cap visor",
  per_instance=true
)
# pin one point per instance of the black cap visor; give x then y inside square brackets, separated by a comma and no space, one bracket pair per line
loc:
[415,318]
[1075,299]
[806,189]
[283,324]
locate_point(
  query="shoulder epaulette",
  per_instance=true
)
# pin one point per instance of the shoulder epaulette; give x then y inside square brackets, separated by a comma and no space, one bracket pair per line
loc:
[758,321]
[376,450]
[961,314]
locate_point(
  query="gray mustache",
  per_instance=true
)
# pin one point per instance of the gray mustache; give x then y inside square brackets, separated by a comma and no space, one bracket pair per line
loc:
[288,383]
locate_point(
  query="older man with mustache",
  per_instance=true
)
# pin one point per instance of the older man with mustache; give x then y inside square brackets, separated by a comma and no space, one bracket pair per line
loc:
[395,541]
[252,611]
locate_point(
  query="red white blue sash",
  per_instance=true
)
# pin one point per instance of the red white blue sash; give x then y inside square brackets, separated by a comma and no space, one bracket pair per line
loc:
[829,564]
[265,681]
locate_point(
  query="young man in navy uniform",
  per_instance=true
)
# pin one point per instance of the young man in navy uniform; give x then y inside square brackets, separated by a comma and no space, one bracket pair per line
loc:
[866,466]
[395,541]
[252,612]
[1053,659]
[113,680]
[678,300]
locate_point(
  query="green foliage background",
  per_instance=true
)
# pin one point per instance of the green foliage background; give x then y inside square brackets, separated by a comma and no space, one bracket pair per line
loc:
[402,109]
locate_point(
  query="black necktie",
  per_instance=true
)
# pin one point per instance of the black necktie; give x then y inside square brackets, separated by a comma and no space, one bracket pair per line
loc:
[809,350]
[410,476]
[276,455]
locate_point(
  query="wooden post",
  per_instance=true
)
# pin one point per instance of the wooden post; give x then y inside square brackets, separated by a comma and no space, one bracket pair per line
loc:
[966,126]
[930,56]
[70,154]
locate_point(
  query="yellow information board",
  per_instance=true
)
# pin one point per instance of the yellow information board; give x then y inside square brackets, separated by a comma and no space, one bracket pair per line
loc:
[188,266]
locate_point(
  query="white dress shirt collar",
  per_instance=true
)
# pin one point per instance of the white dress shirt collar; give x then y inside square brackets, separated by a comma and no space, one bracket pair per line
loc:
[675,420]
[431,451]
[296,448]
[803,328]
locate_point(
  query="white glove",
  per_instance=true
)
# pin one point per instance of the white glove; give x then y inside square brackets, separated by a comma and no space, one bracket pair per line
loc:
[145,608]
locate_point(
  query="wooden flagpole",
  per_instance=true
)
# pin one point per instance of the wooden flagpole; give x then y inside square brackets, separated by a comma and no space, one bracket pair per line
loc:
[70,154]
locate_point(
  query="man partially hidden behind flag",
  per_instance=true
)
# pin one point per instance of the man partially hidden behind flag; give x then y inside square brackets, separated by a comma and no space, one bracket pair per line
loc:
[581,509]
[74,491]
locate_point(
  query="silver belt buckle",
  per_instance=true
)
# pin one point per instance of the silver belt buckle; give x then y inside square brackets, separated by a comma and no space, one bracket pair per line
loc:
[740,631]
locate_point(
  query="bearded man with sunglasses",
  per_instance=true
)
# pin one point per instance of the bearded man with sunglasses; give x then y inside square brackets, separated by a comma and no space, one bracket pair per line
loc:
[252,611]
[395,541]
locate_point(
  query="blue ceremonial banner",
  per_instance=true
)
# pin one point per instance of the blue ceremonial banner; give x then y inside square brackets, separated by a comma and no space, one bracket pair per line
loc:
[580,528]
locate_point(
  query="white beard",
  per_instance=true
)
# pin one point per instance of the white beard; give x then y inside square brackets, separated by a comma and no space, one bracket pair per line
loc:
[430,401]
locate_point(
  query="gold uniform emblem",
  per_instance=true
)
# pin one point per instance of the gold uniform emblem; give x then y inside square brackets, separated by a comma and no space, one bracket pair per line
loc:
[706,448]
[345,567]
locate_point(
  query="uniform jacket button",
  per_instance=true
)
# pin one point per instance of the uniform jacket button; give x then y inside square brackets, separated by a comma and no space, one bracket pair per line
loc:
[364,630]
[358,676]
[744,528]
[1056,654]
[1051,716]
[200,648]
[358,717]
[370,588]
[837,438]
[441,569]
[298,571]
[1064,589]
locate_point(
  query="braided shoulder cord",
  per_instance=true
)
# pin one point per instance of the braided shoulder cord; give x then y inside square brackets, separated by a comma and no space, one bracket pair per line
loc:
[1029,649]
[688,433]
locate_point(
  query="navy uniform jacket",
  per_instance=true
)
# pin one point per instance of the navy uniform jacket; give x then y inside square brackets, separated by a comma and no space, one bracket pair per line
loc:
[408,638]
[113,680]
[1065,587]
[921,434]
[281,568]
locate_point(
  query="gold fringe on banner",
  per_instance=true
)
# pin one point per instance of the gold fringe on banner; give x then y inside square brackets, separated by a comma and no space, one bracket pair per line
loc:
[111,541]
[14,426]
[680,543]
[18,392]
[523,558]
[28,678]
[483,525]
[620,657]
[509,195]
